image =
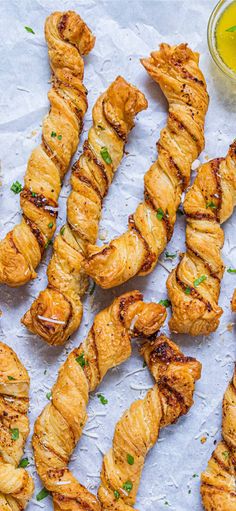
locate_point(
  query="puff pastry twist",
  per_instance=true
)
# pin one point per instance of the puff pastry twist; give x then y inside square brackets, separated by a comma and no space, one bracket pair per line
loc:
[59,427]
[16,485]
[194,285]
[136,252]
[138,429]
[68,38]
[218,482]
[57,312]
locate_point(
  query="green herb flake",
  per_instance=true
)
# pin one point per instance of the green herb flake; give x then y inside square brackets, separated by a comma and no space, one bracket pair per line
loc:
[101,127]
[211,205]
[199,280]
[103,400]
[49,242]
[187,290]
[11,378]
[29,29]
[130,459]
[24,463]
[165,303]
[59,137]
[189,491]
[160,213]
[42,494]
[49,395]
[91,291]
[225,454]
[231,270]
[116,494]
[144,364]
[195,475]
[128,486]
[15,433]
[62,230]
[16,187]
[53,134]
[33,194]
[170,256]
[81,360]
[50,225]
[231,29]
[105,155]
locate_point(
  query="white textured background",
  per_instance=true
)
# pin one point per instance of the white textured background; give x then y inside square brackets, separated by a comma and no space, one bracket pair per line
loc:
[125,31]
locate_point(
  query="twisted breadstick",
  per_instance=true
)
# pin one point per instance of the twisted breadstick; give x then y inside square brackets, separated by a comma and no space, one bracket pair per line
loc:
[68,38]
[138,429]
[233,304]
[16,485]
[194,285]
[57,312]
[218,482]
[59,427]
[136,252]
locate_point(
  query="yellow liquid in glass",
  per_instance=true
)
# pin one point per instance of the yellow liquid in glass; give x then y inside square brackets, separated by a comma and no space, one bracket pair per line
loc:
[225,40]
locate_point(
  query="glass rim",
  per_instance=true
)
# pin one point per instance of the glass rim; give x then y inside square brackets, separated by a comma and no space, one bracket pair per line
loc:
[211,40]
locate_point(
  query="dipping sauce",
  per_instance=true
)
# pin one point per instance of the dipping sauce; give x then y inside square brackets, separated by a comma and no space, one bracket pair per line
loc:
[225,35]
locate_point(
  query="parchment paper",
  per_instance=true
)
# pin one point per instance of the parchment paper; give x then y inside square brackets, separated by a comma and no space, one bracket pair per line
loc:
[125,31]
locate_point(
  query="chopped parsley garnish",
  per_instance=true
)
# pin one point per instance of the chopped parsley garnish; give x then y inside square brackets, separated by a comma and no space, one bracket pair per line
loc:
[48,243]
[16,187]
[128,486]
[81,360]
[33,194]
[62,230]
[130,459]
[92,289]
[116,494]
[24,463]
[103,400]
[11,378]
[211,205]
[231,29]
[199,280]
[160,213]
[53,134]
[42,494]
[50,225]
[165,303]
[225,454]
[195,475]
[188,290]
[49,395]
[231,270]
[144,364]
[15,433]
[170,256]
[59,137]
[29,29]
[105,155]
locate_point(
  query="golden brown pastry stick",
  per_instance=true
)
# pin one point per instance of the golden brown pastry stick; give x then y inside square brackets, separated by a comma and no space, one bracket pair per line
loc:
[138,429]
[136,252]
[194,285]
[57,311]
[59,427]
[68,38]
[233,303]
[16,485]
[218,482]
